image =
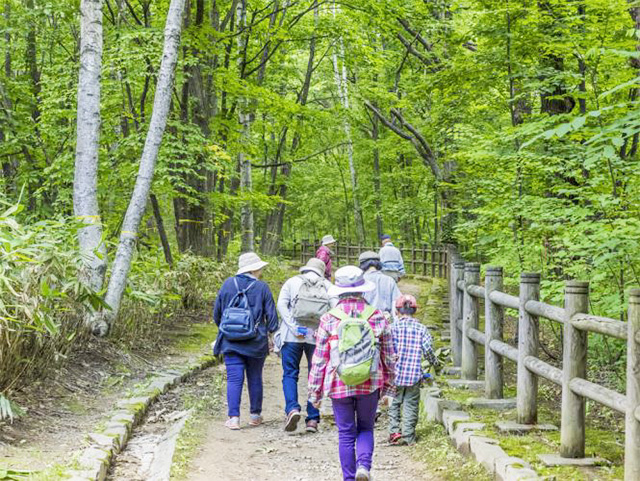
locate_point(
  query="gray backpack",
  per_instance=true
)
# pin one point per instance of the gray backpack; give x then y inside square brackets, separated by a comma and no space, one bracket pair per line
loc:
[311,302]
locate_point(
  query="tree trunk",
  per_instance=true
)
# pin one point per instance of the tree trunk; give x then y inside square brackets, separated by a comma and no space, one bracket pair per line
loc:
[140,195]
[244,118]
[343,94]
[193,220]
[375,135]
[85,184]
[275,220]
[166,247]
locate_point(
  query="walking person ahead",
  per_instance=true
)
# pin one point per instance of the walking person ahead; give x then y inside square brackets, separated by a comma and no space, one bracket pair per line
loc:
[325,254]
[245,314]
[383,297]
[412,341]
[353,365]
[302,301]
[391,258]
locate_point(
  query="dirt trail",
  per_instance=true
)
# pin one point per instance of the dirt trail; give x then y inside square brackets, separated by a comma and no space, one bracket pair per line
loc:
[267,453]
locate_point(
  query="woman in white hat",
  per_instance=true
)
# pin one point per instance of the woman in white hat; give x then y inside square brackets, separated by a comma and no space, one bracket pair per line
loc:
[345,336]
[245,314]
[302,301]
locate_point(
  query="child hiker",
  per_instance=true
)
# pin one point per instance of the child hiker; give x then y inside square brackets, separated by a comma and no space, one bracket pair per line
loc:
[411,341]
[353,365]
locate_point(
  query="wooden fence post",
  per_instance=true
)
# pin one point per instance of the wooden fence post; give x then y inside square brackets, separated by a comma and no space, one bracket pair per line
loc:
[413,259]
[528,344]
[470,318]
[574,364]
[433,262]
[493,325]
[632,429]
[456,301]
[424,260]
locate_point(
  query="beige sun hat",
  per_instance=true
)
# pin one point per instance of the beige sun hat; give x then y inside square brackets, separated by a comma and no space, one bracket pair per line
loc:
[368,256]
[250,262]
[314,265]
[328,239]
[350,280]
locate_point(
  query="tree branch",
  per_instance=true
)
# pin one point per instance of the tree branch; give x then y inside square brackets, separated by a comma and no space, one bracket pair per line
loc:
[302,159]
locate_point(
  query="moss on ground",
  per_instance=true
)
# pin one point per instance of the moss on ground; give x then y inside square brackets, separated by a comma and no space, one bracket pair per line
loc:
[435,450]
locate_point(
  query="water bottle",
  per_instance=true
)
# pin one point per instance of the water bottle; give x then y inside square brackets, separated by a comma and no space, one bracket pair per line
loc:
[302,331]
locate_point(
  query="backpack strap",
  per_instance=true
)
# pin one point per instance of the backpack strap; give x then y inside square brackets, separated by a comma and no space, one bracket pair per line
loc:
[339,313]
[246,289]
[365,314]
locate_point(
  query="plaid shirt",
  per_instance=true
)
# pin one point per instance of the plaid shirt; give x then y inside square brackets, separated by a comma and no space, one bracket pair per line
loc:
[411,341]
[323,378]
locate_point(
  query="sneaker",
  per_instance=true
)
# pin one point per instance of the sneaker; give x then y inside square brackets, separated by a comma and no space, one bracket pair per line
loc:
[292,421]
[255,420]
[395,438]
[233,423]
[312,426]
[363,474]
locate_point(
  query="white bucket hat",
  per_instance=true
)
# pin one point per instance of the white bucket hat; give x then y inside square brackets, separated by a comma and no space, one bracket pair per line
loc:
[250,262]
[350,280]
[314,265]
[328,239]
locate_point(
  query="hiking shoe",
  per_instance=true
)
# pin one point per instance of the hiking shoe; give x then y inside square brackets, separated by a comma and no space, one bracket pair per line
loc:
[255,420]
[312,426]
[363,474]
[394,438]
[291,423]
[233,423]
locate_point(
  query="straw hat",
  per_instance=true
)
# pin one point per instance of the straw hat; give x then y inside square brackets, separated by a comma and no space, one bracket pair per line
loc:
[350,280]
[314,265]
[328,239]
[250,262]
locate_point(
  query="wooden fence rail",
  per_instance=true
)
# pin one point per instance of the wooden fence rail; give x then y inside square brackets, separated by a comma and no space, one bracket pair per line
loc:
[426,260]
[466,295]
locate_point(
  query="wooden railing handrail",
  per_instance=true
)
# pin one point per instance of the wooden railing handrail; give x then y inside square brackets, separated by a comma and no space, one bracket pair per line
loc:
[466,293]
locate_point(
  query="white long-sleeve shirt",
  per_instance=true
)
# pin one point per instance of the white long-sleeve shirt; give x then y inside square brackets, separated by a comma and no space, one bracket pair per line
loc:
[288,294]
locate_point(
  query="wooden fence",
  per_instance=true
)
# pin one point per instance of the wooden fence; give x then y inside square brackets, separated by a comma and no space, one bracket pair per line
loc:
[466,294]
[424,260]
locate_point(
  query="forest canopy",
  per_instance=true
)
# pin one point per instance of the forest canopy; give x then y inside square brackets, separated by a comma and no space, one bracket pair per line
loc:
[509,128]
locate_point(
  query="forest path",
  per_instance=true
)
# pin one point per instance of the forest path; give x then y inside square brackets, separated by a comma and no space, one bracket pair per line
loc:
[268,453]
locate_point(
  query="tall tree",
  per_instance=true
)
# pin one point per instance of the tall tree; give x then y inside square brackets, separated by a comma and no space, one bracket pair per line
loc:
[85,184]
[140,195]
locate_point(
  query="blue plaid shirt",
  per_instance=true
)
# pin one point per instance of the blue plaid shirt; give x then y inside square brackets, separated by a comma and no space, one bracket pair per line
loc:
[412,341]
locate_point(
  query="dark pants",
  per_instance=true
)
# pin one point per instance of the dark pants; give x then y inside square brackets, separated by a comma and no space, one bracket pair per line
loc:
[355,418]
[291,356]
[237,365]
[404,412]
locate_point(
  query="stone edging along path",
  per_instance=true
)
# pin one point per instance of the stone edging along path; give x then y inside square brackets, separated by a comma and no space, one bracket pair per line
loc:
[94,461]
[462,431]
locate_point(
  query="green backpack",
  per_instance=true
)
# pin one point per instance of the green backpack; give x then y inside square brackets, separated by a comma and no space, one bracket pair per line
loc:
[356,356]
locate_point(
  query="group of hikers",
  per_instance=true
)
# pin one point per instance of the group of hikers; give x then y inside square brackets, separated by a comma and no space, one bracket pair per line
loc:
[363,346]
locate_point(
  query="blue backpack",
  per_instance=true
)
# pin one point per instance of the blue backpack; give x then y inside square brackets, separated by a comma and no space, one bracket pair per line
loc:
[237,322]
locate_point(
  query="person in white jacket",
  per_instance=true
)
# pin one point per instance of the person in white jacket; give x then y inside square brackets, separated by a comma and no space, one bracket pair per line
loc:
[297,337]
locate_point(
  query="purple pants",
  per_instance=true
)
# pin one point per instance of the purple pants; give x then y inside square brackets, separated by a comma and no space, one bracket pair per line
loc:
[355,418]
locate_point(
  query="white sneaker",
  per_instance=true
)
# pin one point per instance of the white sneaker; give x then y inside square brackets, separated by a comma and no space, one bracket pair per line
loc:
[363,474]
[233,423]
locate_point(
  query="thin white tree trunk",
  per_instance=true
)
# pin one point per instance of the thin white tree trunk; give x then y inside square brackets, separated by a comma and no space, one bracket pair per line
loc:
[343,93]
[85,182]
[244,118]
[140,196]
